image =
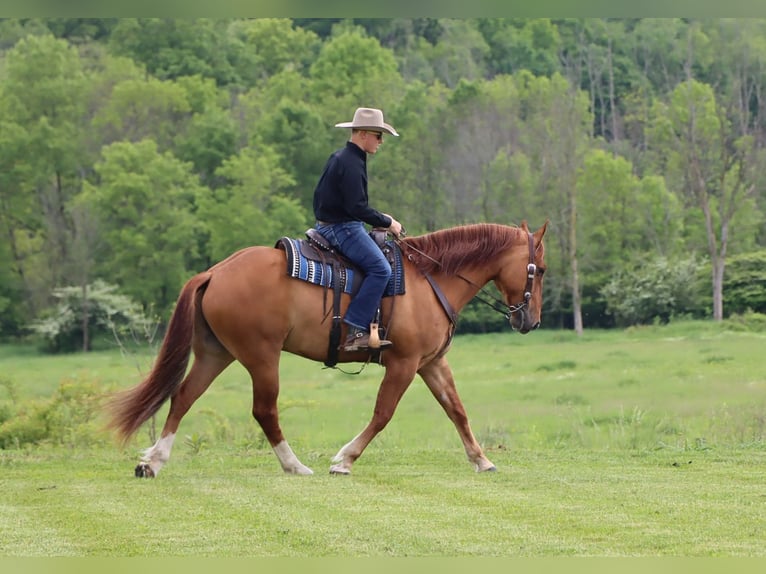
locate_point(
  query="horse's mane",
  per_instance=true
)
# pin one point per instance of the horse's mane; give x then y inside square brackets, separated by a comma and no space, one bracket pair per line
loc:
[455,248]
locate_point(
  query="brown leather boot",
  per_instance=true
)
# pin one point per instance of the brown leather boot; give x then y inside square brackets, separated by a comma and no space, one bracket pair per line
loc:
[358,340]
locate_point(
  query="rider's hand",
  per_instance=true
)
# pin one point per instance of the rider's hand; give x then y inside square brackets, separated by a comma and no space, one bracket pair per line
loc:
[395,228]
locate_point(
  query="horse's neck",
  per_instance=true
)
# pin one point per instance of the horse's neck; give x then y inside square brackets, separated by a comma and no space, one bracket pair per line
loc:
[463,286]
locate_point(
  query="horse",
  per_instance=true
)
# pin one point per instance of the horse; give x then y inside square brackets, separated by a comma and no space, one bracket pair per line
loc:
[246,308]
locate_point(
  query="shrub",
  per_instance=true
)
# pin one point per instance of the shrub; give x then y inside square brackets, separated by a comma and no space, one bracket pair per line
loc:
[744,284]
[749,321]
[68,417]
[97,308]
[653,291]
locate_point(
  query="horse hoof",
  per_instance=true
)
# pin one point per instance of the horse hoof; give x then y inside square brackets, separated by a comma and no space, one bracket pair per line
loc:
[301,470]
[143,470]
[338,469]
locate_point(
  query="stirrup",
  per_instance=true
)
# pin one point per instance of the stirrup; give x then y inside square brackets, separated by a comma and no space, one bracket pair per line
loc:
[375,342]
[362,341]
[353,346]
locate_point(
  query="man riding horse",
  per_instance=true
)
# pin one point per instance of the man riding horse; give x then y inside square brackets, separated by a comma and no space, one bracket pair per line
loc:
[341,209]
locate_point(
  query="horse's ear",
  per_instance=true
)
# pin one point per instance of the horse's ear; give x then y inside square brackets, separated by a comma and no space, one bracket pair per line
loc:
[540,232]
[524,225]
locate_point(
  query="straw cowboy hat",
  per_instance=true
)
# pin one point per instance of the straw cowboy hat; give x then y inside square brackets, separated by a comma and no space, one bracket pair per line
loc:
[368,119]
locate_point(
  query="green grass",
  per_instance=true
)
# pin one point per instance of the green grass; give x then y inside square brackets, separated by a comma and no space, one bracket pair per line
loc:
[648,442]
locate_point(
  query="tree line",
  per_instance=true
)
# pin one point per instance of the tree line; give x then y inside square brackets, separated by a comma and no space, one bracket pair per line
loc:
[136,152]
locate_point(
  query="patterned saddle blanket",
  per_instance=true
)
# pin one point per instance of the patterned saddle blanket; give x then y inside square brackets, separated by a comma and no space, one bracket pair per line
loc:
[313,260]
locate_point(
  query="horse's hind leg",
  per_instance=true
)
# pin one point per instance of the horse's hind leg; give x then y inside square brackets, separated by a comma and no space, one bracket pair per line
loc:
[438,377]
[265,377]
[206,367]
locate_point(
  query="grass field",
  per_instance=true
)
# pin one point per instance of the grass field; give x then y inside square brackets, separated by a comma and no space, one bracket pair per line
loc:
[647,442]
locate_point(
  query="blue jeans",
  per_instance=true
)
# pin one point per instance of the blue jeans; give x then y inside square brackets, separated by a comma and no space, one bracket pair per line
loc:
[352,240]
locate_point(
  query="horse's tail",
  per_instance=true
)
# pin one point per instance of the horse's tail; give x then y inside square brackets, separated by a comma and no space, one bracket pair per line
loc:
[131,408]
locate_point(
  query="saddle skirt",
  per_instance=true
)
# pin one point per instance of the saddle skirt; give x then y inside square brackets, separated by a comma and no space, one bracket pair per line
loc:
[313,260]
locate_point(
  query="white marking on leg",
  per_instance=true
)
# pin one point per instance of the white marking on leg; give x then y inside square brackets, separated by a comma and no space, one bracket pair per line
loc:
[289,461]
[342,459]
[156,456]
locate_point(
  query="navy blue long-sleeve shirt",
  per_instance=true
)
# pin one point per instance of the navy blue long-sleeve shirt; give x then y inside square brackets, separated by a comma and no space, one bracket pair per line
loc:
[341,194]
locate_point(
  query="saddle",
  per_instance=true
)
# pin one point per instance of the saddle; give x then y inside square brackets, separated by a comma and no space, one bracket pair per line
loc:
[314,260]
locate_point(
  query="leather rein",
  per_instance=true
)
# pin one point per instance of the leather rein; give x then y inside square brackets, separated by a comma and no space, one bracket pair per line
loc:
[495,303]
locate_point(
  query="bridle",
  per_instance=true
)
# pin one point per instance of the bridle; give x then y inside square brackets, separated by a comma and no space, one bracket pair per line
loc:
[495,303]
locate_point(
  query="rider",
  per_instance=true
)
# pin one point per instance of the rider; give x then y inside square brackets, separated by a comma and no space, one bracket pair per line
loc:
[341,210]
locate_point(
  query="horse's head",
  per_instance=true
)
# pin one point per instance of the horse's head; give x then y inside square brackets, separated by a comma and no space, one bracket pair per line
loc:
[521,280]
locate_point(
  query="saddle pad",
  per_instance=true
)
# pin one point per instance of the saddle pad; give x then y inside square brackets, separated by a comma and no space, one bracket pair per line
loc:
[321,272]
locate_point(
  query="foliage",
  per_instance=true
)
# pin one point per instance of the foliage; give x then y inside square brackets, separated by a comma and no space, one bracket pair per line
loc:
[68,418]
[146,202]
[171,48]
[251,208]
[749,321]
[263,47]
[655,290]
[478,317]
[97,308]
[745,282]
[142,150]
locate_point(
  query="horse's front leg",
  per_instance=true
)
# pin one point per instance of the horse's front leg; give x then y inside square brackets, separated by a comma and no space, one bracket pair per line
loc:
[396,380]
[438,376]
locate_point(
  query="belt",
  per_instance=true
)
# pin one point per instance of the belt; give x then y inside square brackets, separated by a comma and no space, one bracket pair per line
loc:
[323,222]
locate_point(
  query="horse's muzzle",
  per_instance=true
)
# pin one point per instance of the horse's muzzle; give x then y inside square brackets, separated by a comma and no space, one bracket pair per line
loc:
[524,329]
[521,322]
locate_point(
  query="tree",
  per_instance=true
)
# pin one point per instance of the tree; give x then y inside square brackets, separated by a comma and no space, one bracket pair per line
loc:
[293,128]
[79,30]
[42,102]
[143,109]
[145,203]
[479,138]
[516,44]
[459,54]
[556,136]
[20,227]
[173,47]
[660,49]
[352,68]
[74,320]
[210,138]
[711,164]
[252,208]
[408,178]
[264,47]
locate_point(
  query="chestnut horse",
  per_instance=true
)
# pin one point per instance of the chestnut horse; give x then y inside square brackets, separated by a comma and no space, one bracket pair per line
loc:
[247,308]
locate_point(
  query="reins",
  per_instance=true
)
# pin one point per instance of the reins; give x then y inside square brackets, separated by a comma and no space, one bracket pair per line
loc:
[482,294]
[494,303]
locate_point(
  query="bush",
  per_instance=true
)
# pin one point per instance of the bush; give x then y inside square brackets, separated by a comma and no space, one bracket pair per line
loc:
[69,417]
[106,313]
[744,284]
[749,321]
[654,291]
